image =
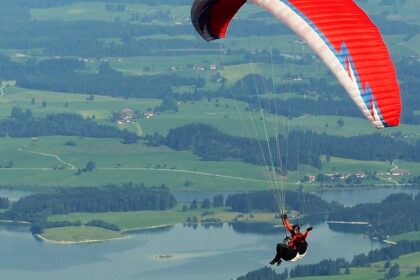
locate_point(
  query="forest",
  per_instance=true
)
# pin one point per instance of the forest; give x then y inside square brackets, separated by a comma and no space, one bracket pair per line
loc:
[64,75]
[25,124]
[211,144]
[35,208]
[264,201]
[395,214]
[339,266]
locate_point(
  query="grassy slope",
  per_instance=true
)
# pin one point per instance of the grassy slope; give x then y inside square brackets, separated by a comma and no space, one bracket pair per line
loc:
[119,163]
[228,115]
[34,163]
[407,265]
[414,235]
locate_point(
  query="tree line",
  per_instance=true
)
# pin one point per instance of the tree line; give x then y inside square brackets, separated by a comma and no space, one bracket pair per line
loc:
[328,96]
[335,267]
[38,228]
[64,75]
[265,201]
[37,207]
[24,124]
[396,214]
[211,144]
[4,203]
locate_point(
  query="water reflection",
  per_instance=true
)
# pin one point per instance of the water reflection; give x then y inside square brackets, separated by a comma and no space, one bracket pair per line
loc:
[178,252]
[358,196]
[349,228]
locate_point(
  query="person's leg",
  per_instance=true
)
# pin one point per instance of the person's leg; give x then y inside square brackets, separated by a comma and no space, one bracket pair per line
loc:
[289,254]
[277,258]
[302,248]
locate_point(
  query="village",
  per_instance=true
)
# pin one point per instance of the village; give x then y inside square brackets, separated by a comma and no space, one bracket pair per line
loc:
[127,115]
[353,178]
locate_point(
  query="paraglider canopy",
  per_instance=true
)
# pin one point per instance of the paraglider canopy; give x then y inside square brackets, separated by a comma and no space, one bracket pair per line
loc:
[342,35]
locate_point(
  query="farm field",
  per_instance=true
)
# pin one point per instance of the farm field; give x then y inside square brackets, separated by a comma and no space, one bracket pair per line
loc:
[97,11]
[228,115]
[48,161]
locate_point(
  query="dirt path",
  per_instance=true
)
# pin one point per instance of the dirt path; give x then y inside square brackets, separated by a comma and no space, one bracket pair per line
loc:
[389,179]
[185,171]
[50,155]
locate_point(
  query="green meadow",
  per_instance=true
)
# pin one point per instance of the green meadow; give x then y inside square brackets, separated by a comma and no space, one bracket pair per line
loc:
[129,221]
[228,115]
[133,220]
[407,263]
[79,234]
[413,235]
[97,11]
[57,102]
[47,161]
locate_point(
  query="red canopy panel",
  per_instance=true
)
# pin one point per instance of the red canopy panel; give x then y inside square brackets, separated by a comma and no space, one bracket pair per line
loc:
[211,18]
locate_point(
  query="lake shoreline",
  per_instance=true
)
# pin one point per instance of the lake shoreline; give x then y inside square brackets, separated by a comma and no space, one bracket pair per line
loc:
[86,241]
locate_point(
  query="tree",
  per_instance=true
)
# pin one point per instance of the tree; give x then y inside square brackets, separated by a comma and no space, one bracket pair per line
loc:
[347,271]
[393,272]
[206,203]
[33,101]
[129,138]
[340,122]
[70,143]
[193,204]
[4,203]
[218,200]
[37,229]
[90,166]
[44,104]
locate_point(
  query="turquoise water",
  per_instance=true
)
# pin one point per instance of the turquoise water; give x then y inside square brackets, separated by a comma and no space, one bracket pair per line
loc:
[177,252]
[371,195]
[188,253]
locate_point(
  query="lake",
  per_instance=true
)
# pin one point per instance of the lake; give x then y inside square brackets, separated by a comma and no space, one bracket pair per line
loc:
[177,252]
[369,195]
[347,197]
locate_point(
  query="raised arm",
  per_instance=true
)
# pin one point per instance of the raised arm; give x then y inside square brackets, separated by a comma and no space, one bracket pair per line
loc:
[306,234]
[286,223]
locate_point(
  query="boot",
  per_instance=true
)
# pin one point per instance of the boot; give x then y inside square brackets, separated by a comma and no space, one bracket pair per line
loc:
[278,262]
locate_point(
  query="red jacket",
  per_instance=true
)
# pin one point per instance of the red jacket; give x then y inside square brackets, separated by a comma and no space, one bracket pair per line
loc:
[296,238]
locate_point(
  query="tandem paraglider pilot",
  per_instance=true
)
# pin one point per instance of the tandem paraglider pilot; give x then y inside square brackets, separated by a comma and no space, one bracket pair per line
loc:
[293,247]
